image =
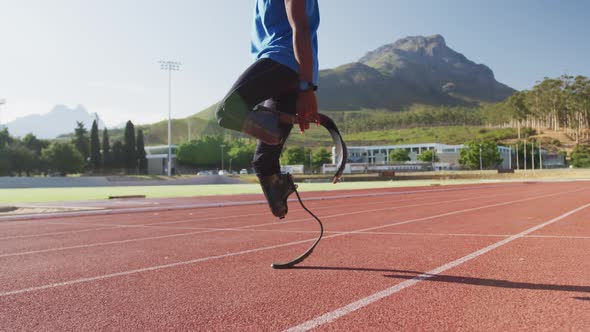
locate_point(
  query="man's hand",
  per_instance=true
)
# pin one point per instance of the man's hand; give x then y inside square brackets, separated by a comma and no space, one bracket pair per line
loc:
[307,110]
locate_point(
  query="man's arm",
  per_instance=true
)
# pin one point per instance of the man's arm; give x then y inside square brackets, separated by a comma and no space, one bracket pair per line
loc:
[307,109]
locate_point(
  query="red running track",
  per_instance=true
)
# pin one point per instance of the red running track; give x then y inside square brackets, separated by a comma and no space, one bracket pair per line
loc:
[484,257]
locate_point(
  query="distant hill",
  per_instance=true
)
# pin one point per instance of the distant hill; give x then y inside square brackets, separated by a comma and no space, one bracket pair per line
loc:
[413,70]
[60,120]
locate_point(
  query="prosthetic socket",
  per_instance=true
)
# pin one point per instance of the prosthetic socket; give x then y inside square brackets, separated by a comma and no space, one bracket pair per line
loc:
[269,126]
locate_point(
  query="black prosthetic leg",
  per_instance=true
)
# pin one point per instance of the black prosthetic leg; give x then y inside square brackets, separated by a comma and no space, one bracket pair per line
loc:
[277,188]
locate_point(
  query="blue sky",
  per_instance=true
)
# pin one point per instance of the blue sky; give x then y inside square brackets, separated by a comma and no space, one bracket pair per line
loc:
[104,54]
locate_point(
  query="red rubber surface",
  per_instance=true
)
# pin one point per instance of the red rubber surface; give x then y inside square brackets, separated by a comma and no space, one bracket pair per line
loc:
[209,268]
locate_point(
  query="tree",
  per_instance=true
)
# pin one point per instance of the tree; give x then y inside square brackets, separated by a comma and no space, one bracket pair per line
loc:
[528,149]
[519,108]
[241,154]
[33,143]
[428,156]
[129,148]
[204,152]
[469,157]
[141,155]
[20,158]
[106,150]
[4,162]
[95,158]
[81,140]
[118,155]
[321,157]
[5,138]
[64,158]
[580,156]
[399,155]
[294,156]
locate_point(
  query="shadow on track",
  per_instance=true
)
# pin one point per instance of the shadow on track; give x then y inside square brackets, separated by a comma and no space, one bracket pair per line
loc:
[404,274]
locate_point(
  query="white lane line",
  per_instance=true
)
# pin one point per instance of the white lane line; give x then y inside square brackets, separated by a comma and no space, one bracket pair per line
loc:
[192,219]
[102,244]
[569,237]
[434,234]
[293,220]
[240,203]
[345,310]
[59,233]
[262,214]
[207,230]
[159,267]
[298,210]
[147,269]
[154,225]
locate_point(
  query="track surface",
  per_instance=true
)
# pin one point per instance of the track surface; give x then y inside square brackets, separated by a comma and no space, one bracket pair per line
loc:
[484,257]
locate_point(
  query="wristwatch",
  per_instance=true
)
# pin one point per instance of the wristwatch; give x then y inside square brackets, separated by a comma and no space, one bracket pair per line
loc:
[306,85]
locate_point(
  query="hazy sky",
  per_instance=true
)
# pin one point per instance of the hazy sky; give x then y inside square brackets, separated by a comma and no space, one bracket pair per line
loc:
[103,54]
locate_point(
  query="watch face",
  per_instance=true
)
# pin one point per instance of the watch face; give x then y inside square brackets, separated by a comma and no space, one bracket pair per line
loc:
[303,85]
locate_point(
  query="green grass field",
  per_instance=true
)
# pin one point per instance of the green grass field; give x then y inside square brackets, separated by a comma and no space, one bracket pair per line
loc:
[42,195]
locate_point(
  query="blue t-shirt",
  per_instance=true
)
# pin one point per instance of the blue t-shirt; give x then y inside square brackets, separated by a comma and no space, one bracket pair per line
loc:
[272,36]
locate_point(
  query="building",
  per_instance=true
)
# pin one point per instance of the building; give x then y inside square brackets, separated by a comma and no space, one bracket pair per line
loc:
[448,155]
[157,158]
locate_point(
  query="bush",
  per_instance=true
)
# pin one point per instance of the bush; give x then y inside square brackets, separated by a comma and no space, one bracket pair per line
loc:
[470,155]
[64,158]
[580,157]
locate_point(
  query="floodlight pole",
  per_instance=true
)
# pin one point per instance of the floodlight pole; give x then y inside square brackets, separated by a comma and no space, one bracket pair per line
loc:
[533,155]
[524,151]
[222,146]
[540,157]
[480,160]
[169,66]
[188,123]
[517,157]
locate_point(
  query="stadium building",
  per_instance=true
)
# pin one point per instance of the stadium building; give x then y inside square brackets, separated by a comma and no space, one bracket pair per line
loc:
[157,158]
[375,157]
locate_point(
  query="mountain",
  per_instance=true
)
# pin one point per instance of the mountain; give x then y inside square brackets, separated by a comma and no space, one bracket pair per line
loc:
[60,120]
[417,69]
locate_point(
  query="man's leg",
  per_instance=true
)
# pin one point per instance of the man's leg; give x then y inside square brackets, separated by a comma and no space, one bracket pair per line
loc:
[264,80]
[276,84]
[276,186]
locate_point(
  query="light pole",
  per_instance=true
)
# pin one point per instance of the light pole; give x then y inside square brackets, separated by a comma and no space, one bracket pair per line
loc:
[188,122]
[480,160]
[222,146]
[517,157]
[169,66]
[533,155]
[432,161]
[540,157]
[524,151]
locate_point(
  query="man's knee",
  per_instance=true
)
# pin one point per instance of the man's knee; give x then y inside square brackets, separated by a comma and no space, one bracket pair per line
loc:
[231,112]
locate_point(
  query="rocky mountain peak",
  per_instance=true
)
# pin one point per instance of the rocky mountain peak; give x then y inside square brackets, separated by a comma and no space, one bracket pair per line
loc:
[418,43]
